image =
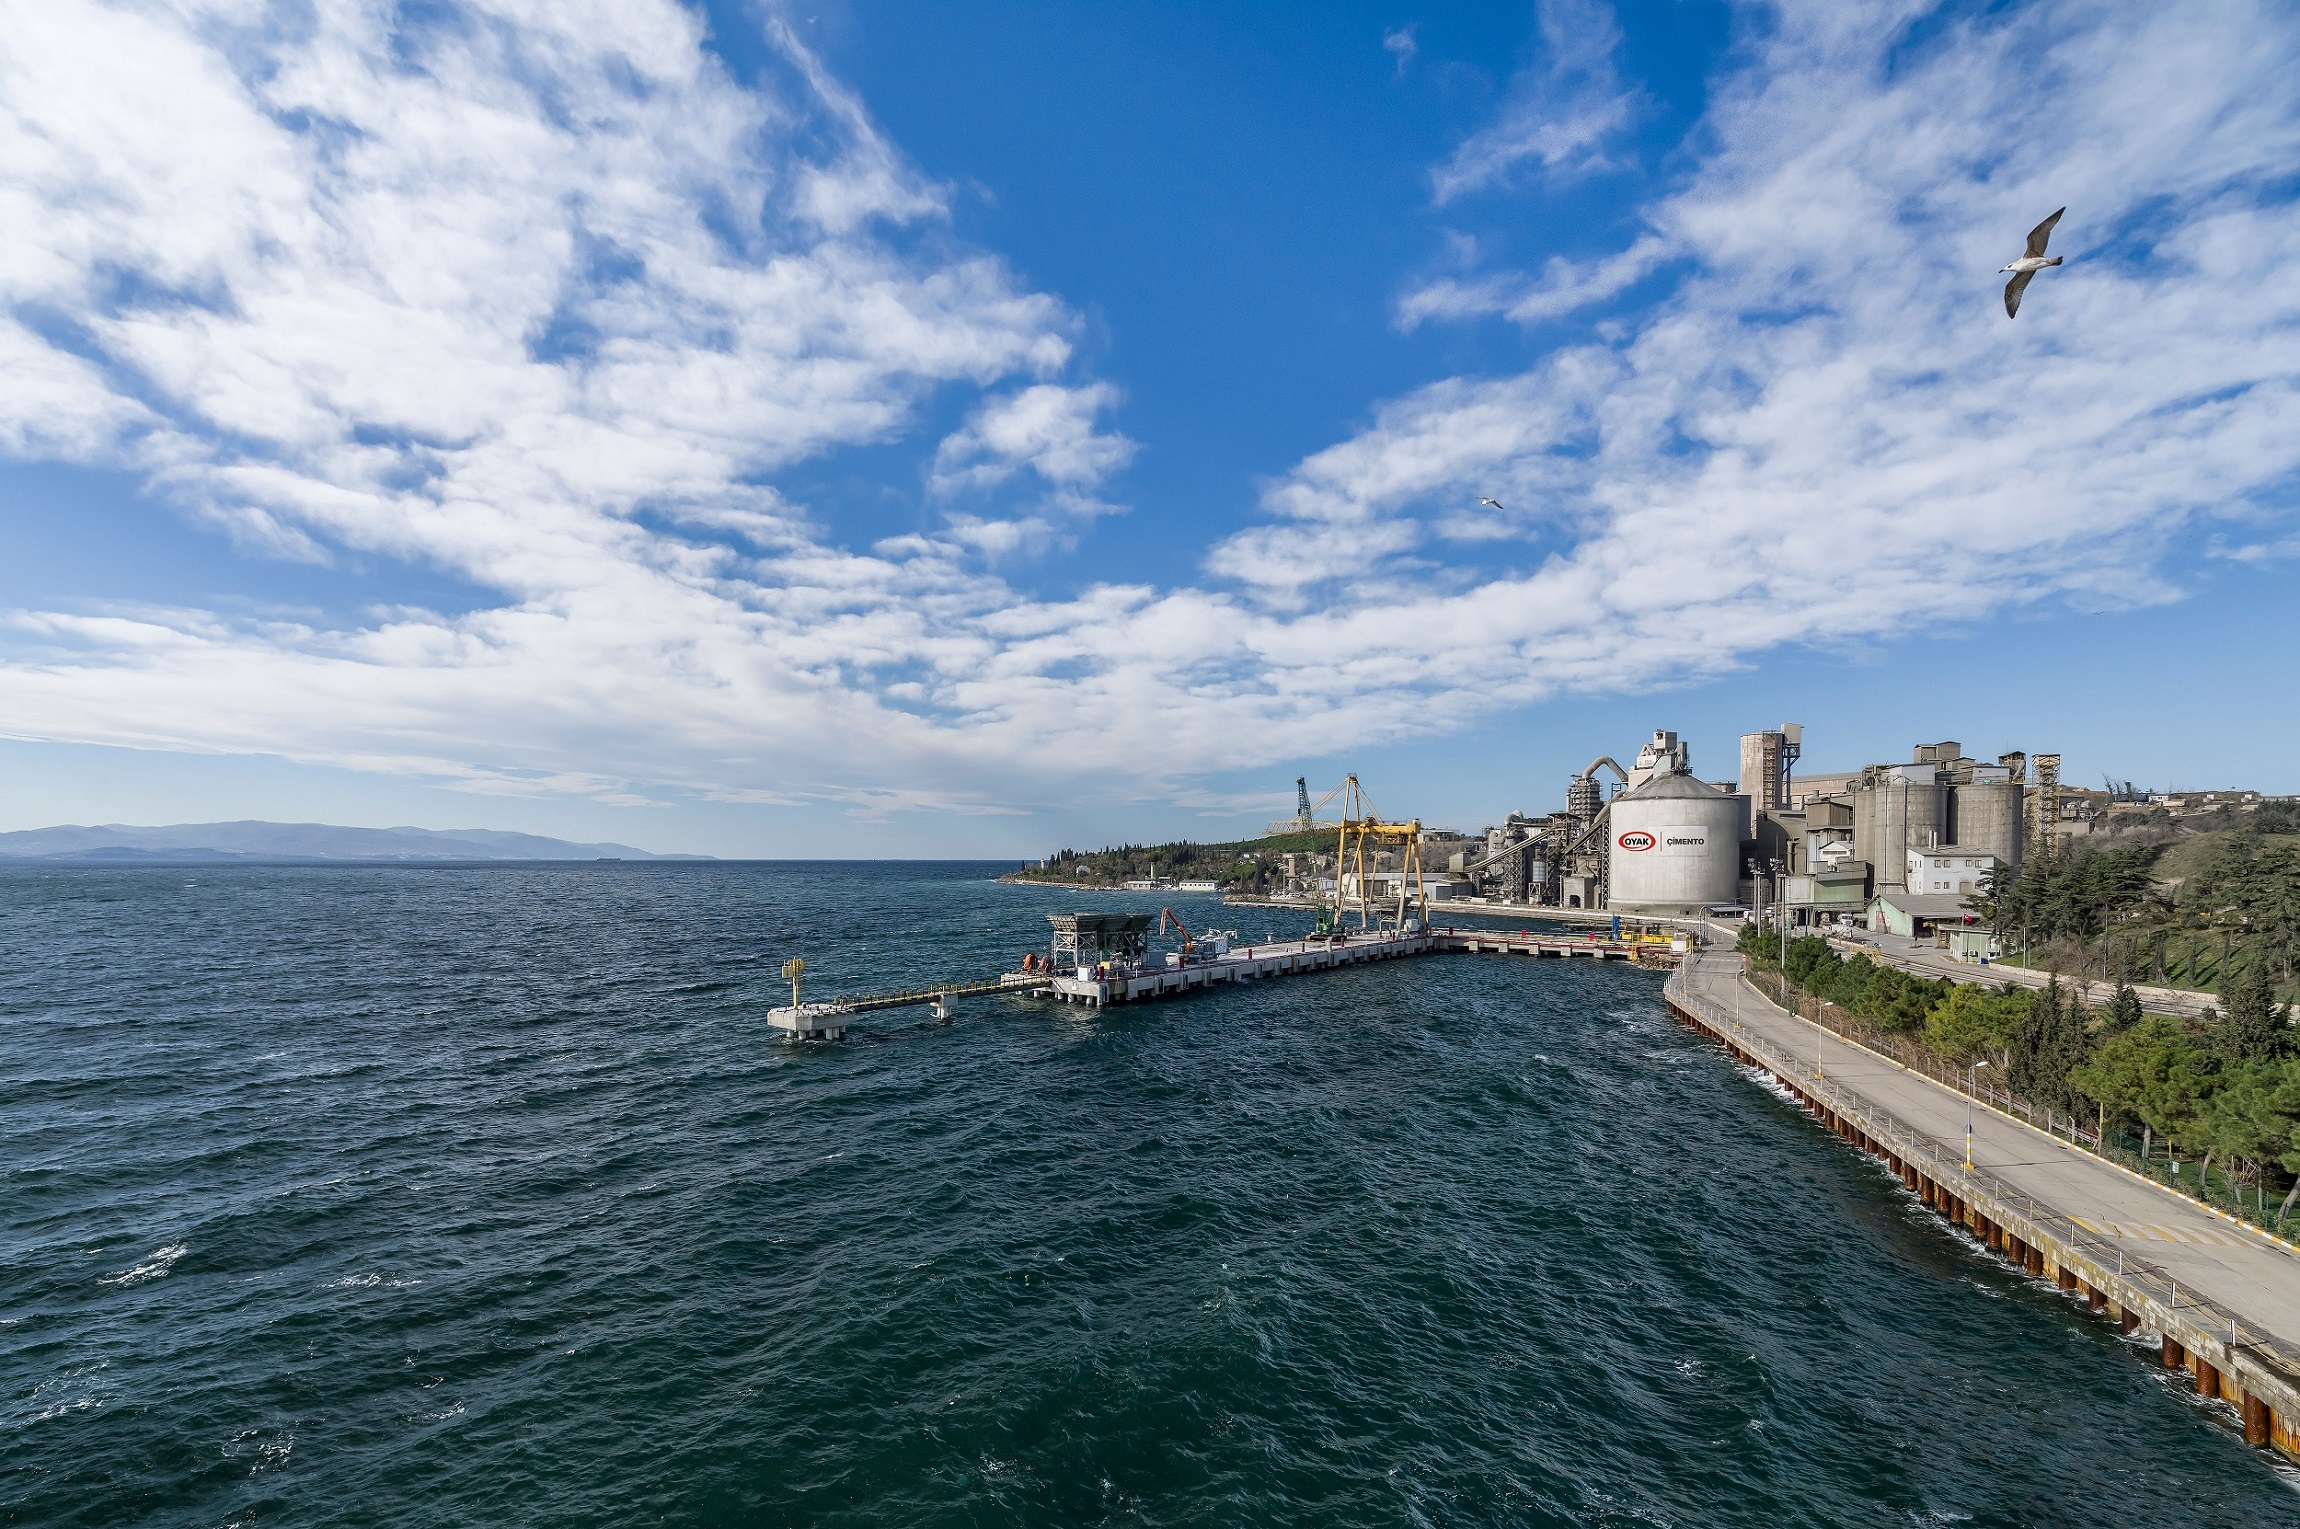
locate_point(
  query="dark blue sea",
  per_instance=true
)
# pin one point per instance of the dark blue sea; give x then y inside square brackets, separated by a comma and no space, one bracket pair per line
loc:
[483,1196]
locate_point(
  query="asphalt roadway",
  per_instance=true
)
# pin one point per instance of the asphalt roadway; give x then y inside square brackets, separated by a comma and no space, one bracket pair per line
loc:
[2220,1260]
[1927,960]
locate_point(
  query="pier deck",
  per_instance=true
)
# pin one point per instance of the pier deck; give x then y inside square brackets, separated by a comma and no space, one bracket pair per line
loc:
[1246,963]
[1286,958]
[831,1019]
[2223,1299]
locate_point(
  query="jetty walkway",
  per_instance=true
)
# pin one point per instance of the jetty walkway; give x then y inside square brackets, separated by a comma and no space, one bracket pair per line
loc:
[2222,1299]
[1170,974]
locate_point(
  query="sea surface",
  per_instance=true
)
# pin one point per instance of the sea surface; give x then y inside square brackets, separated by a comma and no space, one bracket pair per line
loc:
[483,1196]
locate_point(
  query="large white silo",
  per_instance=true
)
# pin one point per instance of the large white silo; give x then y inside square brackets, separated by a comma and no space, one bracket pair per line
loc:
[1674,846]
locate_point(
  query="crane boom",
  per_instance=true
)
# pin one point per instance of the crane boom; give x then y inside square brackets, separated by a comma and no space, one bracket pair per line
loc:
[1169,916]
[1306,820]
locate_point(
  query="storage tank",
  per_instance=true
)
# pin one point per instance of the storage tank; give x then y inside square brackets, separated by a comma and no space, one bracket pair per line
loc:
[1674,846]
[1987,815]
[1899,809]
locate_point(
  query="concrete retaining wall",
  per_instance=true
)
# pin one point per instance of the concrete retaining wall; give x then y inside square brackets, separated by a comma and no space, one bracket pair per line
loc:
[2229,1363]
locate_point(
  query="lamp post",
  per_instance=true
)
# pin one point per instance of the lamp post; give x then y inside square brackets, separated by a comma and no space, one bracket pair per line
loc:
[1780,912]
[1976,1088]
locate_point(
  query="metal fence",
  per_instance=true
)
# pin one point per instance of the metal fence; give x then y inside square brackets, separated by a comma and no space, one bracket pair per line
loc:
[2152,1161]
[1944,1167]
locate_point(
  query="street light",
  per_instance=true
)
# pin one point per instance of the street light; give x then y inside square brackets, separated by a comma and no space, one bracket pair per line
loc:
[1780,912]
[1976,1088]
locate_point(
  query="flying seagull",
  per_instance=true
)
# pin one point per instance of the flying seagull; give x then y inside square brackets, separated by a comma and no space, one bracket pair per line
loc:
[2029,264]
[1496,503]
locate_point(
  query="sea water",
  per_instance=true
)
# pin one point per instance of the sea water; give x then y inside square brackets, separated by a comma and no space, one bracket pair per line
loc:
[483,1195]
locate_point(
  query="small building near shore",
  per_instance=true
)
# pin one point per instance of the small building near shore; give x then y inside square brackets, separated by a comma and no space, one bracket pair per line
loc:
[1917,915]
[1973,944]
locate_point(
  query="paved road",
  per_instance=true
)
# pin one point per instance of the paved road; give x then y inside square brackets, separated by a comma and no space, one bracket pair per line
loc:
[1927,960]
[2223,1262]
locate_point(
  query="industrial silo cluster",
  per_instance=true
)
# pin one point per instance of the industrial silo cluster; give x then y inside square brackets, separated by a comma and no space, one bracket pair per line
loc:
[1918,839]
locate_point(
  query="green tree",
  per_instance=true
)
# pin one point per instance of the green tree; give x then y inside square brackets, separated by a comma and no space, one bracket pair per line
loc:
[2249,1121]
[2124,1010]
[2079,894]
[1895,1000]
[2153,1075]
[2251,881]
[1810,958]
[1971,1023]
[2256,1027]
[2048,1045]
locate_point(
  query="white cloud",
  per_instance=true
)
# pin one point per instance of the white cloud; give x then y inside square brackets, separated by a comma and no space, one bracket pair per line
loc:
[1048,428]
[1830,432]
[505,292]
[1560,110]
[1562,288]
[543,299]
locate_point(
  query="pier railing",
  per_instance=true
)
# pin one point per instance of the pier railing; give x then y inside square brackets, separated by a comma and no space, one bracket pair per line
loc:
[1944,1166]
[2227,1197]
[864,1003]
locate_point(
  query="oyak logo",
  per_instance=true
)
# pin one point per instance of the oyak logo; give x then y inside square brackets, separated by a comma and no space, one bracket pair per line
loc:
[1637,838]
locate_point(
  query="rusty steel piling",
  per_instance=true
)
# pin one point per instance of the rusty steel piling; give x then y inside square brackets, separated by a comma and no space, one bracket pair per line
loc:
[2259,1375]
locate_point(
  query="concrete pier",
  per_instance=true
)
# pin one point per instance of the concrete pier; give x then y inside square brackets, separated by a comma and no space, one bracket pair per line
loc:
[1099,986]
[1170,974]
[2223,1299]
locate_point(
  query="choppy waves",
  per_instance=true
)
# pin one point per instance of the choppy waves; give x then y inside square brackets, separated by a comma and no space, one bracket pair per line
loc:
[154,1267]
[483,1196]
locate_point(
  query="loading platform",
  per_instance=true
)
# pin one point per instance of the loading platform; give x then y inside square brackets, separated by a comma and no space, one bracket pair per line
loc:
[1103,959]
[1641,949]
[1134,982]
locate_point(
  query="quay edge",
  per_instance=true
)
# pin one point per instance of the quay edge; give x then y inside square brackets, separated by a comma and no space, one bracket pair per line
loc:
[2255,1375]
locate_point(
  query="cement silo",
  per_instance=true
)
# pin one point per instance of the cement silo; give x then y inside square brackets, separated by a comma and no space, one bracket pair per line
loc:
[1986,817]
[1674,846]
[1897,808]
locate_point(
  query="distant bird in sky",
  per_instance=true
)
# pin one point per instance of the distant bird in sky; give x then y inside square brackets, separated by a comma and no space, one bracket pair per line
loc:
[1496,503]
[2029,264]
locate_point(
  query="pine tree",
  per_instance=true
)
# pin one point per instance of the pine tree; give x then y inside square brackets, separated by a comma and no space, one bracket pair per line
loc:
[2072,1048]
[2029,1064]
[2257,1028]
[2124,1009]
[2050,1044]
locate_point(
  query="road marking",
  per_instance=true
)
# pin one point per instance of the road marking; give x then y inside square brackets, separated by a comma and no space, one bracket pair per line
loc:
[2141,1231]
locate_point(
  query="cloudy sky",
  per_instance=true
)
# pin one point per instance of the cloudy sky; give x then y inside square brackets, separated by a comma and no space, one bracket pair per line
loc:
[878,428]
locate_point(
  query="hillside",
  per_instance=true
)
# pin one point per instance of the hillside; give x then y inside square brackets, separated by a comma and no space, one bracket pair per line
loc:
[1244,865]
[2181,907]
[116,843]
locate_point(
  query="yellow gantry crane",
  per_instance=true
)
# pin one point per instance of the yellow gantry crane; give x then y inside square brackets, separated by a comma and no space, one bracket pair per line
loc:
[1360,826]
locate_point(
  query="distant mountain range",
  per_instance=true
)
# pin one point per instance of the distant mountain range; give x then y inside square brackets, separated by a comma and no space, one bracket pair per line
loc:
[115,843]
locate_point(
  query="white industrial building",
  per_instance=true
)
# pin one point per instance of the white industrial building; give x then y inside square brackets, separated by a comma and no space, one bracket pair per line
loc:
[1948,870]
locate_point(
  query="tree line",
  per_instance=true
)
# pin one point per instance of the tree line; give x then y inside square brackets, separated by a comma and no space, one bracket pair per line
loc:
[2246,891]
[1224,863]
[2224,1088]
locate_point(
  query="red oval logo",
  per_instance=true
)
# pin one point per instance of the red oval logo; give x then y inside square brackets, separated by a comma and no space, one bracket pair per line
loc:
[1637,838]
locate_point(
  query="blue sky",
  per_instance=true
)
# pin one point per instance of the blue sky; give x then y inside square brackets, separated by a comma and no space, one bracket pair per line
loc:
[868,428]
